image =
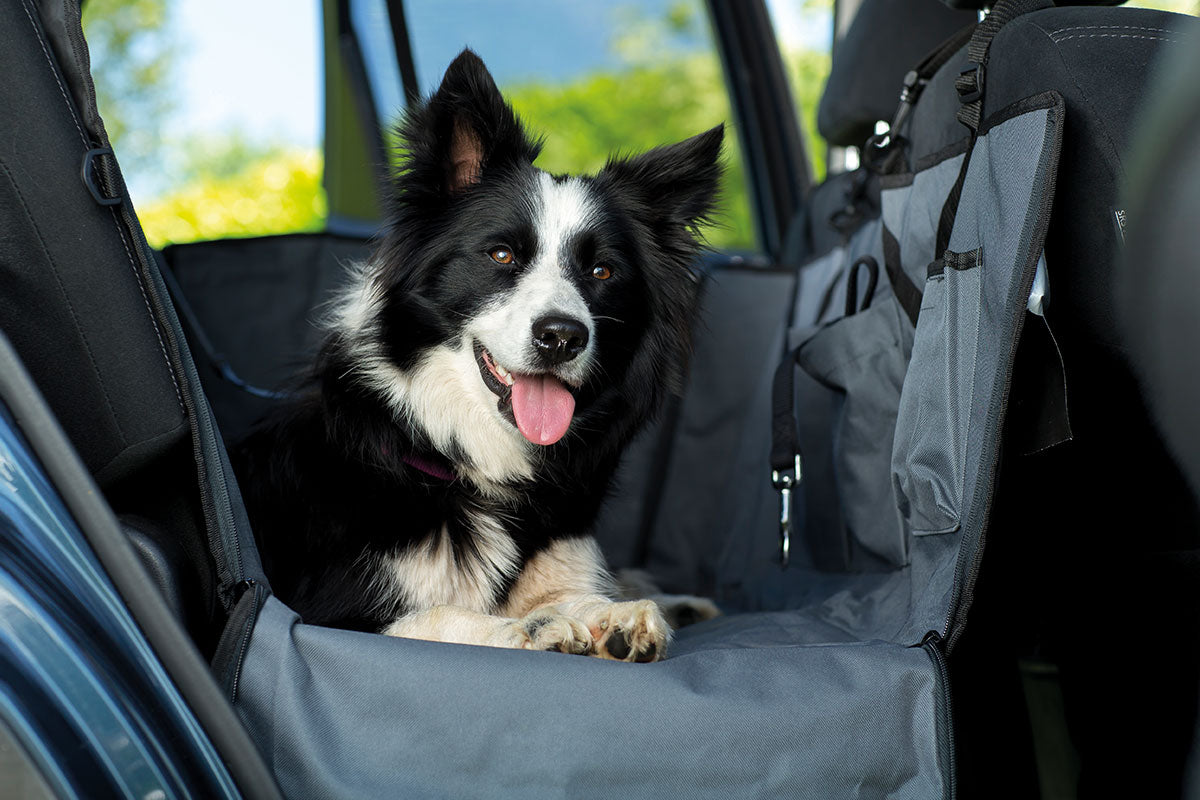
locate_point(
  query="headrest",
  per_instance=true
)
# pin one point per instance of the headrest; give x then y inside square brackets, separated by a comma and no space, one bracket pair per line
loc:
[886,39]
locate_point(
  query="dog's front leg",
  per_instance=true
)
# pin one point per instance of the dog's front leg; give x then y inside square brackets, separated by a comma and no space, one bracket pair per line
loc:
[542,629]
[569,578]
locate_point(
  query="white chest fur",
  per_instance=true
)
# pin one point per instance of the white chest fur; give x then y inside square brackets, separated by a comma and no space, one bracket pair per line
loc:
[435,572]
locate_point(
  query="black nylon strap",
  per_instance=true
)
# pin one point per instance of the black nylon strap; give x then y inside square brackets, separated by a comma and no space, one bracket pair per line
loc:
[784,442]
[852,306]
[914,84]
[950,207]
[970,82]
[907,294]
[940,55]
[970,86]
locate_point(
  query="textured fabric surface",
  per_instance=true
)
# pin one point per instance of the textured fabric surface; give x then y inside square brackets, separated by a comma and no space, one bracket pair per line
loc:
[72,300]
[341,714]
[861,360]
[738,340]
[967,328]
[929,461]
[911,205]
[821,283]
[258,302]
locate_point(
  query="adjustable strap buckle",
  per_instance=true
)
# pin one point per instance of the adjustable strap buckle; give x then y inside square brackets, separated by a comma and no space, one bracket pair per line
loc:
[90,179]
[784,481]
[969,83]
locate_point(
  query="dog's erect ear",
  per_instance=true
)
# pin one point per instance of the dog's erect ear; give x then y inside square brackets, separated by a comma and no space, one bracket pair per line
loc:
[677,182]
[466,127]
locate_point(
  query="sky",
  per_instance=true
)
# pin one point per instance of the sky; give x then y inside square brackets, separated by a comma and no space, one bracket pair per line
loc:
[255,65]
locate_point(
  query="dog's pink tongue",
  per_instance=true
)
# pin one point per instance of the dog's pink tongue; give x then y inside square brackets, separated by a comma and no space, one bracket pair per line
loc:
[543,407]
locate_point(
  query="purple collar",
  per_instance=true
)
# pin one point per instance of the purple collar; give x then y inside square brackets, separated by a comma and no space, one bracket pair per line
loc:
[430,468]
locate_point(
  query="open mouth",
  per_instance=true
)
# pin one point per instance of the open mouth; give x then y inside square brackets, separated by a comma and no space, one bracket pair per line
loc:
[540,405]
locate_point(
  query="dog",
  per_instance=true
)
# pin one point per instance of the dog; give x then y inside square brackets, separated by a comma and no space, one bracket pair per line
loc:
[439,473]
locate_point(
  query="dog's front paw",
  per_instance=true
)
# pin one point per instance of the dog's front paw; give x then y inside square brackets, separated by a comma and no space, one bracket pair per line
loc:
[548,630]
[633,631]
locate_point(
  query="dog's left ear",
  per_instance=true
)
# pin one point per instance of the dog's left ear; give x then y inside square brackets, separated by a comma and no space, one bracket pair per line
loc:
[465,128]
[677,182]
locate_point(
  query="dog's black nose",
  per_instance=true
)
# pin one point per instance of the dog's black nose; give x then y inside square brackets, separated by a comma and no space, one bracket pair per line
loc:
[559,339]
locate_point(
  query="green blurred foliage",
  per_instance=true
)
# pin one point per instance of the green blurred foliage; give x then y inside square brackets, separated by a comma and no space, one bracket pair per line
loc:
[807,71]
[279,191]
[133,55]
[607,113]
[1178,6]
[671,87]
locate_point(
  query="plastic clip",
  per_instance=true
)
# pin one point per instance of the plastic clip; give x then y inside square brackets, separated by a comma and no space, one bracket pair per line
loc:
[970,82]
[89,176]
[785,481]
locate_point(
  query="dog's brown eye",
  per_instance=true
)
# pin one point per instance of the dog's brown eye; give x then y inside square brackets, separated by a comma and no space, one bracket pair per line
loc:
[502,255]
[601,272]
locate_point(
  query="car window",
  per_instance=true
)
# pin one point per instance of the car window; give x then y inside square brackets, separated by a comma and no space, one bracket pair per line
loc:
[804,31]
[1191,7]
[595,78]
[213,108]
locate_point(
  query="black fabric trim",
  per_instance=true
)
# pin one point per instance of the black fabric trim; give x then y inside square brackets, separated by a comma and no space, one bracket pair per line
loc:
[950,207]
[907,294]
[944,154]
[963,261]
[1034,102]
[899,180]
[966,570]
[1043,100]
[231,649]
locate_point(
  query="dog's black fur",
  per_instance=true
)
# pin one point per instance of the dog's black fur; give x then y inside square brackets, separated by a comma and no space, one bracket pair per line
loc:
[330,482]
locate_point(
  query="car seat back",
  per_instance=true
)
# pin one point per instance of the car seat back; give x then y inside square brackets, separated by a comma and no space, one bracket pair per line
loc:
[86,310]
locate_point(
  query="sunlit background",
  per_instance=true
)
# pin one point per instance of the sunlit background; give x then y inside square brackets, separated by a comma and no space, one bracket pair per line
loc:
[215,106]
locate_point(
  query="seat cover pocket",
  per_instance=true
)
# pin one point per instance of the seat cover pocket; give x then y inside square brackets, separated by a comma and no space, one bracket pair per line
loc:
[860,360]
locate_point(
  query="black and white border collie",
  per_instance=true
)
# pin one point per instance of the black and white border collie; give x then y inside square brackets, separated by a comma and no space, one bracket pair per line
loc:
[439,476]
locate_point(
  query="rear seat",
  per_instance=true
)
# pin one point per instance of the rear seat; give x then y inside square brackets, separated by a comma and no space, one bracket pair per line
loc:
[1088,502]
[838,683]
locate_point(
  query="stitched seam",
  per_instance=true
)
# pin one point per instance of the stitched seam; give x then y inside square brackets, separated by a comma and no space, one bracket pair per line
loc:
[62,89]
[1113,36]
[1111,27]
[146,299]
[133,264]
[67,301]
[1113,151]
